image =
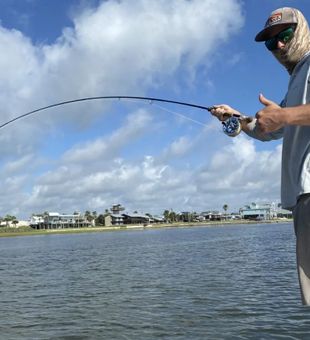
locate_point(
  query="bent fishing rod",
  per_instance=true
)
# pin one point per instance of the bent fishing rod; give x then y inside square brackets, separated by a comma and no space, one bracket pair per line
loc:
[231,126]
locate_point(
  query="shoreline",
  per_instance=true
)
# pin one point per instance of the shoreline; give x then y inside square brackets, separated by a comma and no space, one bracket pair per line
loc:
[28,231]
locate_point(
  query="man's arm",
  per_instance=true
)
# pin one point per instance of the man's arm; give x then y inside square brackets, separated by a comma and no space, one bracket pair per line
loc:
[273,117]
[249,125]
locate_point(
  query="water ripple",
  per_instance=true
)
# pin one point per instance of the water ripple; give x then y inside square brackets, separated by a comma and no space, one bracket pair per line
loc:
[236,282]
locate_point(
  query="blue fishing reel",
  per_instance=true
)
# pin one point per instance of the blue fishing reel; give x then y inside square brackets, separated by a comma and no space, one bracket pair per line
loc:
[232,126]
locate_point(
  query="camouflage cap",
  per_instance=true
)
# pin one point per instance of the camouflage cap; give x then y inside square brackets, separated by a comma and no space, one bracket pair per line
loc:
[277,21]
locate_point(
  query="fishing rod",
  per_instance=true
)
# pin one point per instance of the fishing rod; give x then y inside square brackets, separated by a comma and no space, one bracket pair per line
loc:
[231,126]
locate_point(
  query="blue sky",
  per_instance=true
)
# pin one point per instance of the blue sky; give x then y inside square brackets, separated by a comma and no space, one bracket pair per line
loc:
[89,156]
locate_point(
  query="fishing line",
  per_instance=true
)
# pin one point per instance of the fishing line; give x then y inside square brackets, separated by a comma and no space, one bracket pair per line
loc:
[150,102]
[179,114]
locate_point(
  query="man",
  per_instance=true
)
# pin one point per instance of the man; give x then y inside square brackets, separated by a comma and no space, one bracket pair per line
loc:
[286,35]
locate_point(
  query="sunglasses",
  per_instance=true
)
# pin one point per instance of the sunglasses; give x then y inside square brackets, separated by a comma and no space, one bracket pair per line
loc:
[284,36]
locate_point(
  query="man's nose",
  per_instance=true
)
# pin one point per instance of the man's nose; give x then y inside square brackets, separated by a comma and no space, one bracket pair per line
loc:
[280,44]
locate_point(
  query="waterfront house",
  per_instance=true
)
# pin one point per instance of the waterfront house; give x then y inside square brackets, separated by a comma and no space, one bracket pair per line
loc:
[55,220]
[136,218]
[113,219]
[127,218]
[254,211]
[283,213]
[157,219]
[211,216]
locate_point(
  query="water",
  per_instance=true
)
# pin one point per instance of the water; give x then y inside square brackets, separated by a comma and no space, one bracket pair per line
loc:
[229,282]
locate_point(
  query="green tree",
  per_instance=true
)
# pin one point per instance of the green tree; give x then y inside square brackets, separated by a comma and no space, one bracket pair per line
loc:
[166,215]
[8,219]
[100,219]
[172,216]
[15,221]
[88,216]
[225,208]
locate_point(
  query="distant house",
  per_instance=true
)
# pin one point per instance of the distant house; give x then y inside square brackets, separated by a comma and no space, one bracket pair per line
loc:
[135,218]
[157,219]
[128,218]
[36,221]
[21,224]
[113,219]
[234,216]
[55,220]
[14,224]
[283,213]
[211,216]
[254,211]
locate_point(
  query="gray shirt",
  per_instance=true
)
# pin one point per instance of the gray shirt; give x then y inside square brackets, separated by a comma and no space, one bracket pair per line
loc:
[295,177]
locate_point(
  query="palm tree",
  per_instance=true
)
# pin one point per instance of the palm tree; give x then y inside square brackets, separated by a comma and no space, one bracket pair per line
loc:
[166,215]
[172,216]
[88,215]
[15,222]
[225,207]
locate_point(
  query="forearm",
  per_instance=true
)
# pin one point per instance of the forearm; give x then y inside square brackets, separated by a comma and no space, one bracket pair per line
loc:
[297,115]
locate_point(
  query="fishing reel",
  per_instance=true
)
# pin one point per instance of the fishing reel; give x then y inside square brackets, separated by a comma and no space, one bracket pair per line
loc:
[232,126]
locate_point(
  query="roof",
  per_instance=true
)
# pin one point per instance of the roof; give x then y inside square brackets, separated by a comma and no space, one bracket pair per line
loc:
[135,215]
[116,215]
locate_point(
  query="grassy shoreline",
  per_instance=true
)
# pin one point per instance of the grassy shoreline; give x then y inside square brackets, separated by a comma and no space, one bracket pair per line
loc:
[28,231]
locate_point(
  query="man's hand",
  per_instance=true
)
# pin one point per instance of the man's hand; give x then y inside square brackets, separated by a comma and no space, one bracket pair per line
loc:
[271,117]
[223,112]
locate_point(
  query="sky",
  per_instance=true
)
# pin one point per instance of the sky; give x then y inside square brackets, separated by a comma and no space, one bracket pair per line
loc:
[145,156]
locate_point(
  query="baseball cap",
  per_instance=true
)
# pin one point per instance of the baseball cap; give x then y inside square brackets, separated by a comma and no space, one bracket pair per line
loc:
[277,21]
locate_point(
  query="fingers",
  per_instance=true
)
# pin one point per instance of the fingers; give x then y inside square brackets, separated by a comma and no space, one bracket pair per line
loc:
[222,112]
[265,101]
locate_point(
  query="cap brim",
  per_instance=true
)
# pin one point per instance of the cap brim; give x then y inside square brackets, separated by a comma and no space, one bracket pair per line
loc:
[271,31]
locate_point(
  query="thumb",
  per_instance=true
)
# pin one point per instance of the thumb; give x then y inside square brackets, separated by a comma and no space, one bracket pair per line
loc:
[265,101]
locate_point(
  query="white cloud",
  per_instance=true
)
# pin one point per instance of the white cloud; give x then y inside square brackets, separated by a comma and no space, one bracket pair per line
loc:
[240,172]
[103,149]
[179,147]
[17,165]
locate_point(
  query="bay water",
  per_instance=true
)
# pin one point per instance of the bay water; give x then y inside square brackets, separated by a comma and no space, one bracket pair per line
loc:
[218,282]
